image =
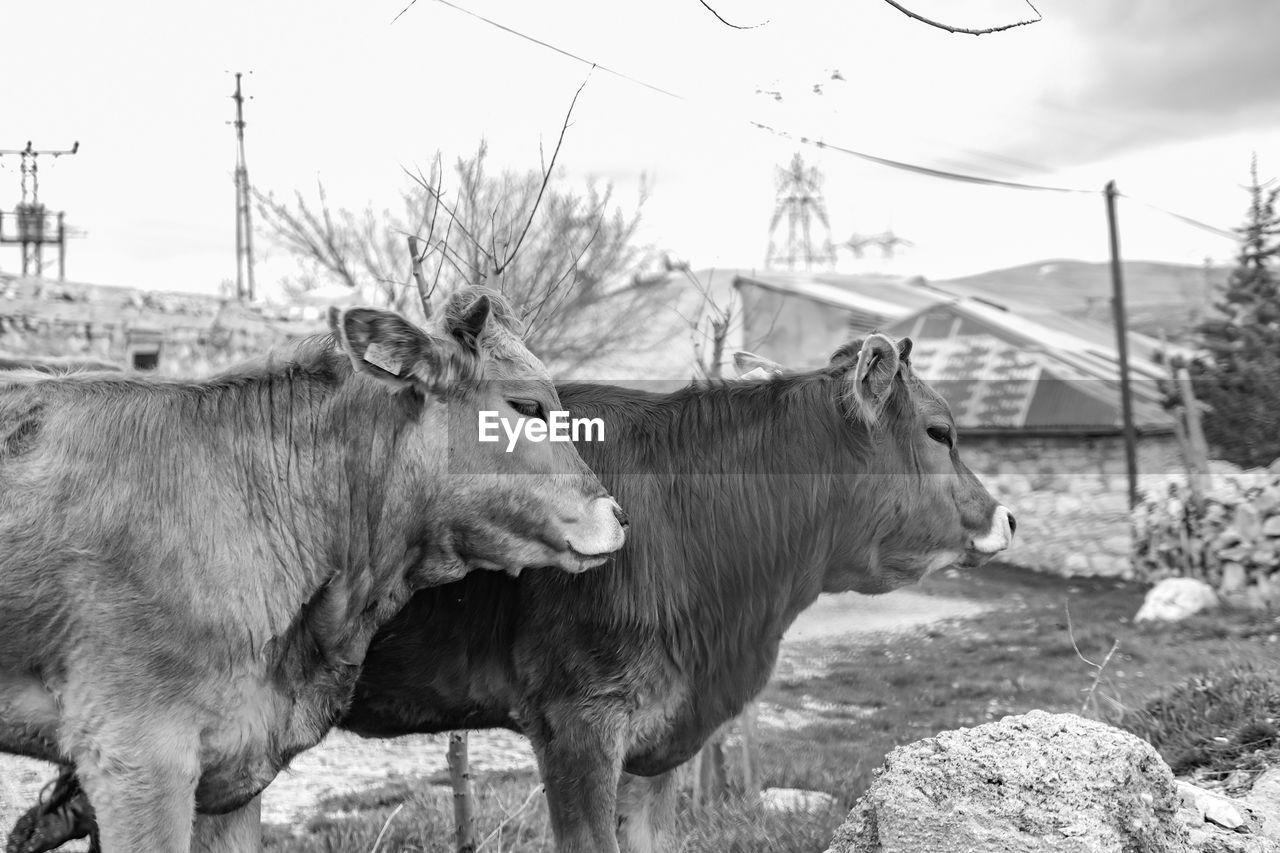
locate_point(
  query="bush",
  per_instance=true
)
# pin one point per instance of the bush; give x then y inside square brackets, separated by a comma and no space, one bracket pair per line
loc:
[1214,726]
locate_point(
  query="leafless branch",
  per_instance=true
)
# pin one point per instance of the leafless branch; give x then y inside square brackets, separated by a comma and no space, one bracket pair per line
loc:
[1100,667]
[415,266]
[405,9]
[434,192]
[546,177]
[721,19]
[572,268]
[961,30]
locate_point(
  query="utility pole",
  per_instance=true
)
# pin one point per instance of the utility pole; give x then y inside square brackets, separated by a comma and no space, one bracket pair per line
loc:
[244,222]
[1122,344]
[34,228]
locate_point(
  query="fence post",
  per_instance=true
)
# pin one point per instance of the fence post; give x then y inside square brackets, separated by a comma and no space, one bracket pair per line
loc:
[460,780]
[750,751]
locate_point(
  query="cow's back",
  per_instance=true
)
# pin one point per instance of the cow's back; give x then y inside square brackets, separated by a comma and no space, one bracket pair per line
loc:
[126,508]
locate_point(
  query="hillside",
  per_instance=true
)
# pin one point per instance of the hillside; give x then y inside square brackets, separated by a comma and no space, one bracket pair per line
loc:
[1159,296]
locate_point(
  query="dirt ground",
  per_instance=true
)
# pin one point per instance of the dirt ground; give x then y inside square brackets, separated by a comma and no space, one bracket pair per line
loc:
[343,763]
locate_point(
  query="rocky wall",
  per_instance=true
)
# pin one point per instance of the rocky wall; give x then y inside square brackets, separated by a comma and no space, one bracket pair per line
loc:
[1069,496]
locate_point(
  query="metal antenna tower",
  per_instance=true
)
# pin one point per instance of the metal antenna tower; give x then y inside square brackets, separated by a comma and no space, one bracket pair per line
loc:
[244,221]
[35,227]
[800,200]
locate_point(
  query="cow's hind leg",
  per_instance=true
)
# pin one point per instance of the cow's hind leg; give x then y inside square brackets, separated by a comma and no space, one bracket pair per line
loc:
[647,813]
[239,831]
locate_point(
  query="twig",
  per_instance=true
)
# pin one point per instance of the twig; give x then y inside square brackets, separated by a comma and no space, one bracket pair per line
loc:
[1098,666]
[378,841]
[515,814]
[444,256]
[546,178]
[405,9]
[721,19]
[573,268]
[961,30]
[453,216]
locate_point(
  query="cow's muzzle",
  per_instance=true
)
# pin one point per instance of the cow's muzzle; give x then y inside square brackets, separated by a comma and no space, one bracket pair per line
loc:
[601,532]
[998,537]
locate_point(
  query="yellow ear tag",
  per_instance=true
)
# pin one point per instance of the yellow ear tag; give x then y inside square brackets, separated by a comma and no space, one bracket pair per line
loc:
[380,356]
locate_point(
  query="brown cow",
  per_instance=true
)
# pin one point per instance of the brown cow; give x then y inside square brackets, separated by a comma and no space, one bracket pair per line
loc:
[755,497]
[752,499]
[191,572]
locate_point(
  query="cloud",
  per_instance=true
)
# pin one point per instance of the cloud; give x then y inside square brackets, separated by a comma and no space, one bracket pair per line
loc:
[1150,72]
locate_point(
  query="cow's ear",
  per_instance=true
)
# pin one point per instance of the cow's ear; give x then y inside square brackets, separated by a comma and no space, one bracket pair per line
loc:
[752,366]
[468,324]
[387,347]
[873,375]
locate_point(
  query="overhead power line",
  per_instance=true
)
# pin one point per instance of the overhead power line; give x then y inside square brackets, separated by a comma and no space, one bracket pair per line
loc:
[902,165]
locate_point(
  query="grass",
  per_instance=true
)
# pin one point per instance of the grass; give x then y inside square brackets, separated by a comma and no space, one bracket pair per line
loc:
[1203,691]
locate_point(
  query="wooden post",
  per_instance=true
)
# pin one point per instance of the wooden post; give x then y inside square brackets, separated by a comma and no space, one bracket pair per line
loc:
[1122,345]
[460,779]
[62,247]
[712,776]
[1195,429]
[750,751]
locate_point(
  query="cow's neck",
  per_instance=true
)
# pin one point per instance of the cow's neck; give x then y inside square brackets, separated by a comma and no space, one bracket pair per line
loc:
[744,477]
[340,558]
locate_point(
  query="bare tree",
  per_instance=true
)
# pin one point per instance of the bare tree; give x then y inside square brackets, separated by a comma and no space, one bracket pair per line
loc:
[963,30]
[564,258]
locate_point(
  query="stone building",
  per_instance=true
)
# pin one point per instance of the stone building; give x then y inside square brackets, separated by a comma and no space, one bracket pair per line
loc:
[1035,395]
[172,334]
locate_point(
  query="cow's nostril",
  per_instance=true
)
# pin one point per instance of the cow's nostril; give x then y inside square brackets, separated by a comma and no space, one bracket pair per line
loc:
[1013,525]
[621,516]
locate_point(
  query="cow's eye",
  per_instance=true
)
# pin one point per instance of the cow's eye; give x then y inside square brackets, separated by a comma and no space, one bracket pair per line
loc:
[940,434]
[528,408]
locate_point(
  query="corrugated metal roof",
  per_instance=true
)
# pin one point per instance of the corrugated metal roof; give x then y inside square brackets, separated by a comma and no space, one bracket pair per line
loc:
[886,297]
[999,365]
[1009,374]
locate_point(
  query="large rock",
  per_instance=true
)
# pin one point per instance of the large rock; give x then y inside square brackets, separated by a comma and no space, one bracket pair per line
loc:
[1036,783]
[1173,599]
[1264,797]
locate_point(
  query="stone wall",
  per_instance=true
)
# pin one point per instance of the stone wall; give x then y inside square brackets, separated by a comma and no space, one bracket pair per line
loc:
[171,334]
[1069,496]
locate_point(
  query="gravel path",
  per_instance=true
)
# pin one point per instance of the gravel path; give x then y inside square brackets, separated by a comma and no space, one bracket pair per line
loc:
[343,763]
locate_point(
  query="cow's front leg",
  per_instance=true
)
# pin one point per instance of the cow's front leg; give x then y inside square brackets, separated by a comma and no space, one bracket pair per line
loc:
[646,809]
[140,775]
[239,831]
[579,752]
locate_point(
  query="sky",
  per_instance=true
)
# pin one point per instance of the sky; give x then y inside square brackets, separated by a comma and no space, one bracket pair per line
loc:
[1170,100]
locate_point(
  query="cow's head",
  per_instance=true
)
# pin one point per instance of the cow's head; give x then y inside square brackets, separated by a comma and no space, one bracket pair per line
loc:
[494,505]
[912,505]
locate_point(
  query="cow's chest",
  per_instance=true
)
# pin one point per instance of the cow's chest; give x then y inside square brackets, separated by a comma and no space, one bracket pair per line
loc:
[244,749]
